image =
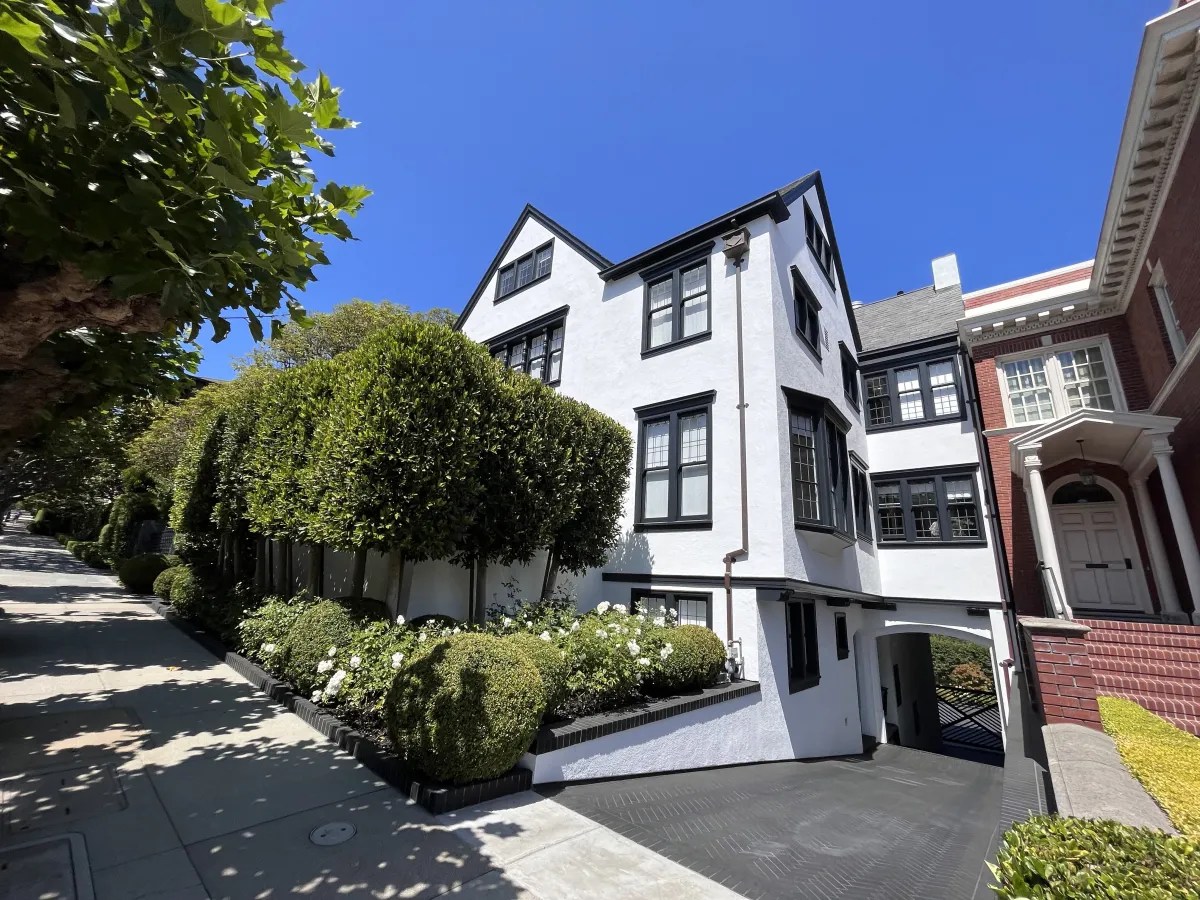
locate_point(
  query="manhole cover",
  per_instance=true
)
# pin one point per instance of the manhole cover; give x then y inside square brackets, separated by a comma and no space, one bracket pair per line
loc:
[332,833]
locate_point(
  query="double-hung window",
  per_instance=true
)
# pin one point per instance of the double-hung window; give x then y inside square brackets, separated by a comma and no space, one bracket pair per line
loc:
[531,267]
[820,464]
[862,498]
[804,664]
[849,374]
[689,608]
[674,459]
[929,506]
[912,393]
[817,242]
[535,349]
[677,305]
[1057,382]
[808,312]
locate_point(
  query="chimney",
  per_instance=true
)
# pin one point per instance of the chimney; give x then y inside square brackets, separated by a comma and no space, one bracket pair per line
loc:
[945,272]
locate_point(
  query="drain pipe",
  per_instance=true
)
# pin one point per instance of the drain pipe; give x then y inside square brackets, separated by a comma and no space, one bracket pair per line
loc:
[736,246]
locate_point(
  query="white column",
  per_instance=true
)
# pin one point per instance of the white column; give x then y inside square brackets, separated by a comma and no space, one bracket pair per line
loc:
[1184,535]
[1159,565]
[1043,531]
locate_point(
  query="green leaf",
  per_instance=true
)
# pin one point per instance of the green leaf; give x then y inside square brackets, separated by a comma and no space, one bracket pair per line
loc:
[26,32]
[290,121]
[177,101]
[66,108]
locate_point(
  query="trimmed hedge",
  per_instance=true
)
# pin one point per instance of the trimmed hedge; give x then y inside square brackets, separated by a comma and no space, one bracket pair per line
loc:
[187,594]
[90,553]
[466,709]
[166,578]
[326,624]
[139,573]
[1165,759]
[695,660]
[1051,858]
[551,664]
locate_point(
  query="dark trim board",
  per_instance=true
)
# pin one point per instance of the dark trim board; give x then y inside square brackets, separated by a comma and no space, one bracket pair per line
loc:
[531,325]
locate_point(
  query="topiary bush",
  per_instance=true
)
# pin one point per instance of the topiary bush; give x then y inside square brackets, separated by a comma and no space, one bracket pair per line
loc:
[105,542]
[692,657]
[139,573]
[89,552]
[466,709]
[62,538]
[187,593]
[44,523]
[327,624]
[166,578]
[551,665]
[1051,858]
[70,546]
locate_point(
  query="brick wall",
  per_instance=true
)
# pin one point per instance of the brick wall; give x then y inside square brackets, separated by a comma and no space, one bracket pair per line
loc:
[1174,240]
[1063,680]
[1083,273]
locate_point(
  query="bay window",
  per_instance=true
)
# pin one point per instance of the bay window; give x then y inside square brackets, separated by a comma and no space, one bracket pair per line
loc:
[820,464]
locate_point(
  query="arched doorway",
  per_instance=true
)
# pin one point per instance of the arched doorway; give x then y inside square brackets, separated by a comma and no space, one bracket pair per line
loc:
[1102,569]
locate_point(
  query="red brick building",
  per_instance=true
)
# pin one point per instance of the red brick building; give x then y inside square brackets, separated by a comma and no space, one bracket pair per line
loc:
[1088,379]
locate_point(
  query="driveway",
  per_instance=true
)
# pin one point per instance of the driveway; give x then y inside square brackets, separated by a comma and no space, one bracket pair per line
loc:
[901,824]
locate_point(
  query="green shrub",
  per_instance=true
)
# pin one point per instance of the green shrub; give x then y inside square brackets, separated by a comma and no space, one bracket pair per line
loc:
[261,634]
[551,665]
[197,596]
[187,594]
[327,624]
[1051,858]
[372,658]
[62,538]
[1165,759]
[89,552]
[70,545]
[609,654]
[166,578]
[45,523]
[105,542]
[949,652]
[692,657]
[466,709]
[138,573]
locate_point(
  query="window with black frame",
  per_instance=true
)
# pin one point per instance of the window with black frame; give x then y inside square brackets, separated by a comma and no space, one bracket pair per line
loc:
[531,267]
[862,499]
[931,506]
[537,351]
[912,394]
[849,375]
[820,465]
[674,464]
[688,608]
[808,312]
[804,664]
[677,305]
[821,249]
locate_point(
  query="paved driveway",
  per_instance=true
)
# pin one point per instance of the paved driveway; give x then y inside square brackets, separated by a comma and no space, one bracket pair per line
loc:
[902,824]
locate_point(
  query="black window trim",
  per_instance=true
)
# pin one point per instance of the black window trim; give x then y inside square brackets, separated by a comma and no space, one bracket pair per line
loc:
[825,267]
[500,298]
[810,675]
[804,296]
[671,600]
[826,414]
[863,504]
[542,324]
[674,268]
[841,635]
[922,363]
[672,410]
[851,380]
[938,474]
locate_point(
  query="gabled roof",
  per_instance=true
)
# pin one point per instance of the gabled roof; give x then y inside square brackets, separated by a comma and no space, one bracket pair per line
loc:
[530,212]
[913,316]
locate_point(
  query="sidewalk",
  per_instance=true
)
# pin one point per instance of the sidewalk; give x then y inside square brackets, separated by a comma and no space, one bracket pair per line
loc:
[185,783]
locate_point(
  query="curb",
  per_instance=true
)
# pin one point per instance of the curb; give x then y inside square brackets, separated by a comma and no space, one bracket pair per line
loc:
[434,796]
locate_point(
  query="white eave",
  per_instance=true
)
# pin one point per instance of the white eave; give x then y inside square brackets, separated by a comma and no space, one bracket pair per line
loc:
[1161,108]
[1069,303]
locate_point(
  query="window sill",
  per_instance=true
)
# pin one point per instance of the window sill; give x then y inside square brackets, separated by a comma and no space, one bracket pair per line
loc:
[825,538]
[809,345]
[796,685]
[866,539]
[973,542]
[853,401]
[523,287]
[686,525]
[917,423]
[675,345]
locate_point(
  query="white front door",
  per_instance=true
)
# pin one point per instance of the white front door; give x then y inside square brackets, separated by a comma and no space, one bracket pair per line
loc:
[1100,558]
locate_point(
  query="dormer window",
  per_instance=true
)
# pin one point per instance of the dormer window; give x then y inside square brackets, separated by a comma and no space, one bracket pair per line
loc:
[530,268]
[817,242]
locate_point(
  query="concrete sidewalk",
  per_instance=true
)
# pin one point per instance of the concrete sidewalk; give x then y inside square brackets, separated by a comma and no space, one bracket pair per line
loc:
[185,783]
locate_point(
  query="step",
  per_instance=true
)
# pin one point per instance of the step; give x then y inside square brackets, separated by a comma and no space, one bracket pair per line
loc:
[1139,639]
[1144,684]
[1142,627]
[1187,723]
[1163,706]
[1174,655]
[1136,665]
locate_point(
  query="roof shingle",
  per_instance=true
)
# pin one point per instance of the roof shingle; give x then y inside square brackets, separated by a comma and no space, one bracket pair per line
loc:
[913,316]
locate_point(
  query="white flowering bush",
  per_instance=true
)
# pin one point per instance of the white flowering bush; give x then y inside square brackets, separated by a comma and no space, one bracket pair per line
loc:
[610,655]
[320,638]
[269,625]
[691,657]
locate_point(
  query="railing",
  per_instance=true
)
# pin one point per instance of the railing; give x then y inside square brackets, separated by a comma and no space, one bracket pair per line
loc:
[1058,607]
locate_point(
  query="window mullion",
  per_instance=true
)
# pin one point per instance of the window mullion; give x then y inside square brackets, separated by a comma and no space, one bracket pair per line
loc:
[910,525]
[926,390]
[1058,391]
[673,445]
[677,305]
[939,485]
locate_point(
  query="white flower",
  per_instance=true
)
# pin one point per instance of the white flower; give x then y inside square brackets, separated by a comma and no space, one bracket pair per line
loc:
[399,620]
[575,625]
[324,666]
[666,651]
[643,662]
[529,624]
[633,648]
[355,661]
[455,631]
[335,683]
[397,658]
[603,607]
[545,635]
[641,618]
[332,652]
[507,622]
[619,607]
[316,697]
[660,621]
[268,649]
[421,637]
[602,634]
[673,613]
[561,632]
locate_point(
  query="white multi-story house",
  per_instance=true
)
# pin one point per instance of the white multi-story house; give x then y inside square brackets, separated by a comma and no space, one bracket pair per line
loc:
[733,355]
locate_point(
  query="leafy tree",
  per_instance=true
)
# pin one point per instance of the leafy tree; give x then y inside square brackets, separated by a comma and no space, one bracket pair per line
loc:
[325,335]
[159,449]
[154,171]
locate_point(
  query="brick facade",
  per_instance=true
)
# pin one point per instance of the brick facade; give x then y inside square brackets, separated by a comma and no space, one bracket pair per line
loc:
[1064,686]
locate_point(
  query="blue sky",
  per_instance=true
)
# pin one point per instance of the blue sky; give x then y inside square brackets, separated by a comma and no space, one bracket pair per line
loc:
[989,130]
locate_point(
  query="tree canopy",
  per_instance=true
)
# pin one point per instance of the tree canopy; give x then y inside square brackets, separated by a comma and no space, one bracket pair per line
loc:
[155,171]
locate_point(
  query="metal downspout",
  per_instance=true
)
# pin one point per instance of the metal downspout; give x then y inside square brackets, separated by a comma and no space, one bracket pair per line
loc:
[741,552]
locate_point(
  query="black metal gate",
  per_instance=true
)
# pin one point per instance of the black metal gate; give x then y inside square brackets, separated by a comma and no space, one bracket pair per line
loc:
[970,718]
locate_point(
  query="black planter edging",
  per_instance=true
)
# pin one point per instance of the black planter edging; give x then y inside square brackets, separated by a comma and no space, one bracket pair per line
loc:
[588,728]
[433,795]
